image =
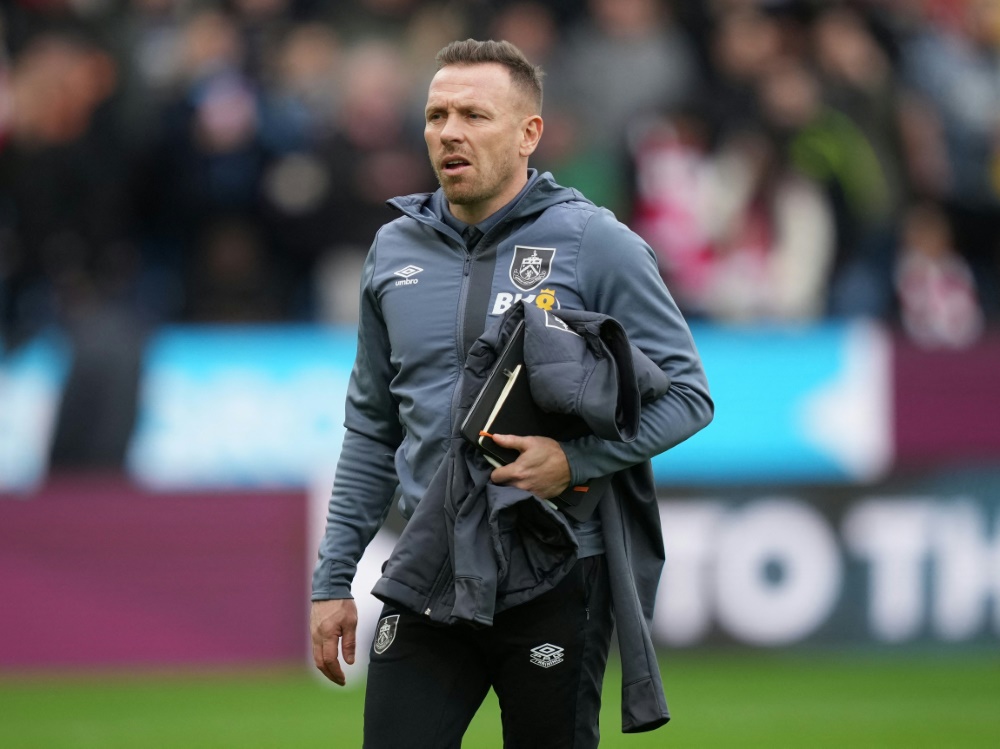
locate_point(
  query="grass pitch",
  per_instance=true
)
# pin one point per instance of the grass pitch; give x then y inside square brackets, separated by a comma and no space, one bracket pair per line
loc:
[718,699]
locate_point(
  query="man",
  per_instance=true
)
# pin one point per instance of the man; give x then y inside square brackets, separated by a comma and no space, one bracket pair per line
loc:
[493,234]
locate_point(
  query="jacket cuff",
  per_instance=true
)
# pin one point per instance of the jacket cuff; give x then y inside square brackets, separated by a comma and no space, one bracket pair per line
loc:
[576,464]
[331,580]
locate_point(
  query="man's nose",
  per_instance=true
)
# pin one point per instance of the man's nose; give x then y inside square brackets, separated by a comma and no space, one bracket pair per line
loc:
[451,131]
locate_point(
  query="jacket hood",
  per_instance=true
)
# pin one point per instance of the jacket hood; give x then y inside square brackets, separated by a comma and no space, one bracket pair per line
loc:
[543,192]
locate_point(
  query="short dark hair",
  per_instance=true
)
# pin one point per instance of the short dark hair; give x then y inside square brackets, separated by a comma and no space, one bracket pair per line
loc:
[524,75]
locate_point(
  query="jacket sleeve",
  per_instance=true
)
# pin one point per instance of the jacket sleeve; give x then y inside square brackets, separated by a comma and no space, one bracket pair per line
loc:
[617,275]
[365,480]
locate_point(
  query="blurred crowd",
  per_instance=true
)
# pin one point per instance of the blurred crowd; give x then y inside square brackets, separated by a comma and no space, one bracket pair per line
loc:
[195,161]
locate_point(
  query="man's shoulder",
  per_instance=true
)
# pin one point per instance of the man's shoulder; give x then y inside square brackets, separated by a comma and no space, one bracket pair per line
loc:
[574,209]
[402,240]
[594,221]
[404,226]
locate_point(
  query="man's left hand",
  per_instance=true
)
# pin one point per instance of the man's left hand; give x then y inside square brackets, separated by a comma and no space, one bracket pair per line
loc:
[541,469]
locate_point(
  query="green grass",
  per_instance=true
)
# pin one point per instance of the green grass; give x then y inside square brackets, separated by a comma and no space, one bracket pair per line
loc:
[737,699]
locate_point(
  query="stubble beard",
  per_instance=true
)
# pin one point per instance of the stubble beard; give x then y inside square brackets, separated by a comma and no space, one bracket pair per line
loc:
[481,188]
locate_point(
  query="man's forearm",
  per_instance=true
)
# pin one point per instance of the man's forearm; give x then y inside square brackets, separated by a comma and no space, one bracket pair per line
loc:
[665,422]
[363,488]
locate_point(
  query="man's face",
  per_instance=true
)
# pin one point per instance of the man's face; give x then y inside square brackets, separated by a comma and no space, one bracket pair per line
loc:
[479,132]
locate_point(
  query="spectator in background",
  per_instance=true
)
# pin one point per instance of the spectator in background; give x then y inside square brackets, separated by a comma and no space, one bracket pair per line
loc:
[373,20]
[533,28]
[231,279]
[262,24]
[595,171]
[532,25]
[63,210]
[744,42]
[148,43]
[740,234]
[372,152]
[938,304]
[370,156]
[950,62]
[433,25]
[624,59]
[305,80]
[210,155]
[826,146]
[304,100]
[68,261]
[857,78]
[772,235]
[672,153]
[671,156]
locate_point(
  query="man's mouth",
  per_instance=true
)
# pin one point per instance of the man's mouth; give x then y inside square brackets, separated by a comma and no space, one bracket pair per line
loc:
[454,165]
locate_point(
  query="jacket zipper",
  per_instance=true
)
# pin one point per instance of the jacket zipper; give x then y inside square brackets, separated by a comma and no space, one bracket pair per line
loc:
[481,282]
[437,587]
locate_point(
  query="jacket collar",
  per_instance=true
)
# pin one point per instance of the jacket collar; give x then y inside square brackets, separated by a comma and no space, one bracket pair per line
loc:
[543,192]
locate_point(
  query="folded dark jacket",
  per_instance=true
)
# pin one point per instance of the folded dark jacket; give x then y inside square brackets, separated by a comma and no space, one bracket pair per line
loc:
[473,548]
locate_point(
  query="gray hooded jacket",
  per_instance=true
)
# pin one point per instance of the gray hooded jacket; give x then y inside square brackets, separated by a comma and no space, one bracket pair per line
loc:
[423,299]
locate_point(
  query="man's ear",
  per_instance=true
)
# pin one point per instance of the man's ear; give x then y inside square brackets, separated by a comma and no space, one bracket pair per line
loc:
[531,133]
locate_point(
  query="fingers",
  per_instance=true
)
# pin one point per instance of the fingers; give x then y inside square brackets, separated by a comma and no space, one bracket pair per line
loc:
[541,469]
[513,441]
[334,626]
[318,659]
[348,641]
[332,669]
[324,649]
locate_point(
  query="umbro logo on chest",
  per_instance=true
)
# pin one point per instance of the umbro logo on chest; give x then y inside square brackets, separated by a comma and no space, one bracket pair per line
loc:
[407,275]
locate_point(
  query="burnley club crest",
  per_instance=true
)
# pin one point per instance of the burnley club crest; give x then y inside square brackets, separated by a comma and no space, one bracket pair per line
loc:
[531,266]
[386,633]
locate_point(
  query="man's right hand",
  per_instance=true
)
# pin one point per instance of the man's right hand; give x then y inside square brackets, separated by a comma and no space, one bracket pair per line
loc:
[333,624]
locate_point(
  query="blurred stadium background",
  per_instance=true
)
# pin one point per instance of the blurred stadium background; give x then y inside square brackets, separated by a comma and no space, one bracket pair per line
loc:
[187,189]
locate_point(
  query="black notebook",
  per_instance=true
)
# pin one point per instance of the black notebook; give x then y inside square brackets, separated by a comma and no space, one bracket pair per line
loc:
[505,406]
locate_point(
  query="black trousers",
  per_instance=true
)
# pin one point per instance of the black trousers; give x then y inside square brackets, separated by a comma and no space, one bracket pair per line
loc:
[544,659]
